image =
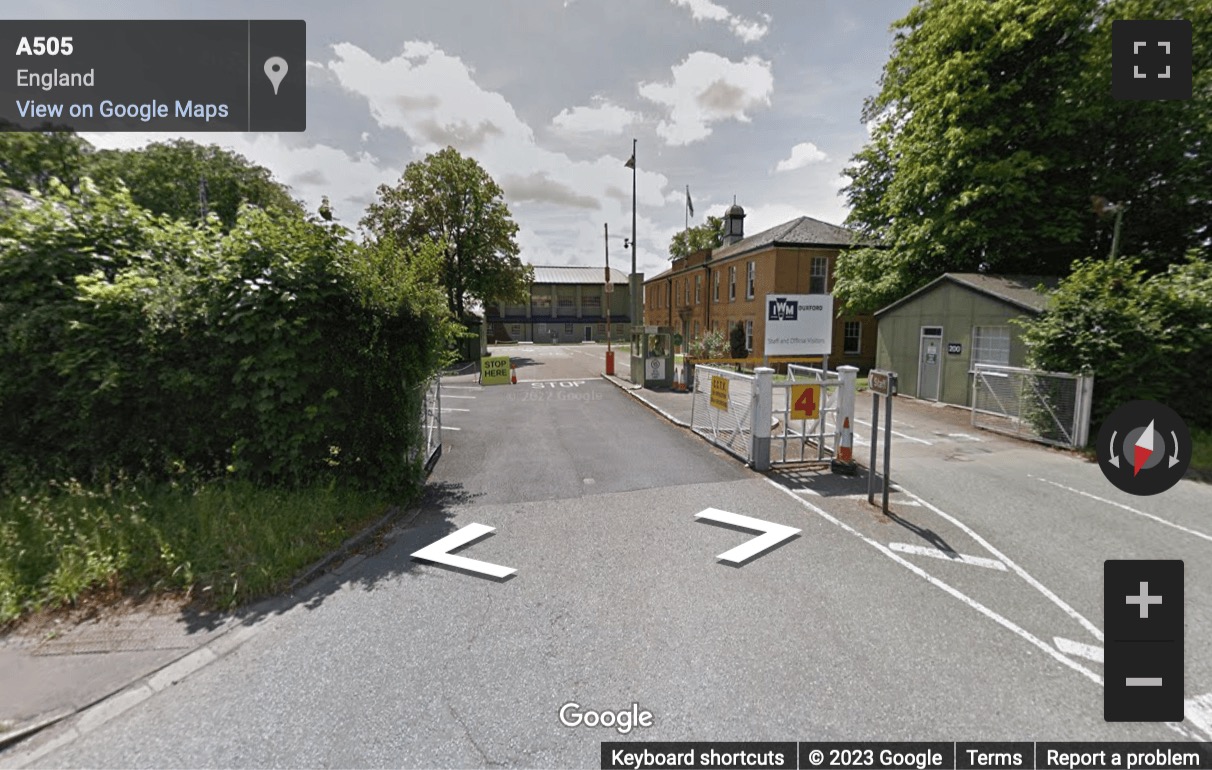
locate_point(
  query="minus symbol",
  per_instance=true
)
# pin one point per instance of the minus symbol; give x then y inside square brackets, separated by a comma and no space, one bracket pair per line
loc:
[1144,681]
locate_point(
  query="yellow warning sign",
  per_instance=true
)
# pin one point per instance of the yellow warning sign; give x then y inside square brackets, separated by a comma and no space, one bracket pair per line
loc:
[494,370]
[805,402]
[719,393]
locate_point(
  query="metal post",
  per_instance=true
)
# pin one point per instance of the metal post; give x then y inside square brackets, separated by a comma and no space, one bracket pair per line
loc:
[763,410]
[875,439]
[887,447]
[635,320]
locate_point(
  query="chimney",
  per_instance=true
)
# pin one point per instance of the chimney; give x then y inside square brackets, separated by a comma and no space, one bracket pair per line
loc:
[734,227]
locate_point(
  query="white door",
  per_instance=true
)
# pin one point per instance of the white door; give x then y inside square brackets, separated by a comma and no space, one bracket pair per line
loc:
[930,363]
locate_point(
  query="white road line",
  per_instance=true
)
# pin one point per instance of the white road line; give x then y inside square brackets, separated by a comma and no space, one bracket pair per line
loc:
[449,427]
[921,550]
[453,409]
[898,433]
[462,387]
[1087,651]
[580,381]
[1126,508]
[995,617]
[1198,711]
[1093,629]
[451,395]
[964,436]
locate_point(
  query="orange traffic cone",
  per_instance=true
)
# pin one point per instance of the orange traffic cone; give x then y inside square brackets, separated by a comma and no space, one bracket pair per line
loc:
[844,461]
[513,374]
[677,379]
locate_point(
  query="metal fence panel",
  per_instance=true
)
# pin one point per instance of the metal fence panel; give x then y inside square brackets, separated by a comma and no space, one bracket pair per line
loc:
[1049,407]
[795,439]
[429,414]
[730,429]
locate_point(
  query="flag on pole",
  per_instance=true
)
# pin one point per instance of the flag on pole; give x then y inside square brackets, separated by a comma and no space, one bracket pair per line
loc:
[630,162]
[689,205]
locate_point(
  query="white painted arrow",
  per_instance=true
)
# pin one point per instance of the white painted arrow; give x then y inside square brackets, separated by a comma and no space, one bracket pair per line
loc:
[772,534]
[439,552]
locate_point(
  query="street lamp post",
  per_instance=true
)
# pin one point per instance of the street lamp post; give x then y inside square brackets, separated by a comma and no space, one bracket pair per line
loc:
[635,307]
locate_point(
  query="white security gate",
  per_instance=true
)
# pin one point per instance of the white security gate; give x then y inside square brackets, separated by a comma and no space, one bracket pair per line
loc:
[723,409]
[1050,407]
[793,440]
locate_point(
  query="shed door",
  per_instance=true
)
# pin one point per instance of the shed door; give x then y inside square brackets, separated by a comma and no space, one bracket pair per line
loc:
[930,363]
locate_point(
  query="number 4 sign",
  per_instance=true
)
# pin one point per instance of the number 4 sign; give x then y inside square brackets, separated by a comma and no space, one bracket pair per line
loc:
[805,402]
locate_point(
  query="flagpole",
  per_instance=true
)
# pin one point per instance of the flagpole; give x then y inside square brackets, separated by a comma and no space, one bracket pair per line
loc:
[634,246]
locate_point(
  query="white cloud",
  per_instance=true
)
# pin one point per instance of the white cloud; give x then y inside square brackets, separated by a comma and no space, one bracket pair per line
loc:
[748,30]
[559,204]
[602,118]
[803,154]
[707,88]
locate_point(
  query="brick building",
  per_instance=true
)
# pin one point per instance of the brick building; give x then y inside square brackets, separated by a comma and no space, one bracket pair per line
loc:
[714,289]
[565,304]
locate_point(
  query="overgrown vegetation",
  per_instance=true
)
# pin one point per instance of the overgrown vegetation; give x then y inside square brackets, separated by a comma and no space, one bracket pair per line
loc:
[1143,336]
[196,404]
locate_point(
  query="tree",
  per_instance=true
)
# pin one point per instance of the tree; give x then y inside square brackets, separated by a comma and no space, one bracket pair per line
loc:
[993,127]
[450,199]
[29,159]
[709,235]
[186,180]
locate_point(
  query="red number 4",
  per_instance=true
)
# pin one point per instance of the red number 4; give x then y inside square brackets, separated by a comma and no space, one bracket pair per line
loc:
[806,403]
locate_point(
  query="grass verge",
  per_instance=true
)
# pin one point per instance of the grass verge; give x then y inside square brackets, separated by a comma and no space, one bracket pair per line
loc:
[223,542]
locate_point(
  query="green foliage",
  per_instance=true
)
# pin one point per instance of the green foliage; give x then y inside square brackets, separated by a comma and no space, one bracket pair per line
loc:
[994,126]
[736,341]
[279,352]
[30,159]
[448,198]
[1142,336]
[710,345]
[173,178]
[224,541]
[709,235]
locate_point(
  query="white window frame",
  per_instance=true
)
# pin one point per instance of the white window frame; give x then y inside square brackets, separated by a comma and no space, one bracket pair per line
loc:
[750,280]
[698,289]
[813,275]
[716,273]
[749,336]
[981,348]
[732,283]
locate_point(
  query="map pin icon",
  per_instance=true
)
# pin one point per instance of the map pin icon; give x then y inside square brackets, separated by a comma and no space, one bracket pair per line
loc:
[275,70]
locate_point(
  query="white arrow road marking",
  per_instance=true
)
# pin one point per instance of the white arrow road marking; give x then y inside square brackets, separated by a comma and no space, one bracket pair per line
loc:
[772,534]
[1087,651]
[921,550]
[1198,711]
[439,552]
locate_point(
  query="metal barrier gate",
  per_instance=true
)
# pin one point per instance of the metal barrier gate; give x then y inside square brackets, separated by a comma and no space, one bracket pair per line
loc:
[792,442]
[430,415]
[1050,407]
[723,408]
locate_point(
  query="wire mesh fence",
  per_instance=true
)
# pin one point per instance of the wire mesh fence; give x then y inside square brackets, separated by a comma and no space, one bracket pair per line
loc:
[722,410]
[1049,407]
[800,440]
[429,414]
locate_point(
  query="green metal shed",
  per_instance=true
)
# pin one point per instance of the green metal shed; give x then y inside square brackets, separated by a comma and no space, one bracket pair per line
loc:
[934,336]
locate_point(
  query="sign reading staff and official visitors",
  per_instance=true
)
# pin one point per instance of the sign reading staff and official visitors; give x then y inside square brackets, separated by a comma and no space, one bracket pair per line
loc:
[799,324]
[494,370]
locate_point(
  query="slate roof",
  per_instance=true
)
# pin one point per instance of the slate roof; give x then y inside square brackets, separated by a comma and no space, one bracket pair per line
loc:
[577,274]
[1019,290]
[802,232]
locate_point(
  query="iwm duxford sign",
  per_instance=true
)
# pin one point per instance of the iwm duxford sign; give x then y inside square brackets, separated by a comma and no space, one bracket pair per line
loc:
[799,324]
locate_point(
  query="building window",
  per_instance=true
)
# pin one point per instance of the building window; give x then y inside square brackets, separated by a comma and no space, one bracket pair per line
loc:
[732,283]
[820,275]
[540,299]
[696,330]
[991,345]
[568,328]
[852,337]
[698,289]
[752,273]
[749,336]
[591,304]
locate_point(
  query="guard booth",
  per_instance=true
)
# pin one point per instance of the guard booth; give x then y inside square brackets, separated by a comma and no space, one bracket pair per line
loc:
[652,356]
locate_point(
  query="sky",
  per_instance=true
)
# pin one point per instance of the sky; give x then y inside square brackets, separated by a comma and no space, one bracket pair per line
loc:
[755,99]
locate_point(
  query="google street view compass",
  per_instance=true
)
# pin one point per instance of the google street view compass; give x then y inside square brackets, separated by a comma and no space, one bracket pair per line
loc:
[1144,447]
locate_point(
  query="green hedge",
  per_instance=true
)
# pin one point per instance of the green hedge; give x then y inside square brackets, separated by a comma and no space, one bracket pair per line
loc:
[280,352]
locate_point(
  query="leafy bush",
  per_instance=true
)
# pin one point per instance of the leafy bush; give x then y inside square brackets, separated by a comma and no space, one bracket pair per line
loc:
[710,345]
[1143,337]
[141,346]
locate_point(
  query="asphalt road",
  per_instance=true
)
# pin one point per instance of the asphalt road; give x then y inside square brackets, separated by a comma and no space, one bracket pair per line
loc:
[619,599]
